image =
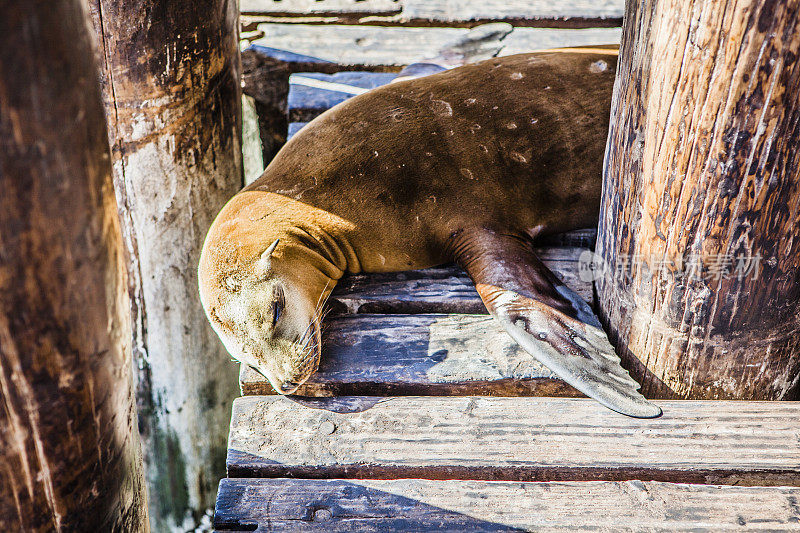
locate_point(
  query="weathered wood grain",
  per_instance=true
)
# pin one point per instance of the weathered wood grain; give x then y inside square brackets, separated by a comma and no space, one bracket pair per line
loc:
[294,8]
[368,47]
[565,13]
[700,221]
[519,439]
[171,79]
[448,13]
[420,354]
[70,457]
[403,353]
[306,103]
[445,289]
[428,505]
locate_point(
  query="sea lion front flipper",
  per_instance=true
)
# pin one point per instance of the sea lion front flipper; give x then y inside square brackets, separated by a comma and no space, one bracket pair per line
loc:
[548,319]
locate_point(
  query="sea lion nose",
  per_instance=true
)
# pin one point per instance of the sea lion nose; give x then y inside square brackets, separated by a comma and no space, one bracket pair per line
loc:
[288,386]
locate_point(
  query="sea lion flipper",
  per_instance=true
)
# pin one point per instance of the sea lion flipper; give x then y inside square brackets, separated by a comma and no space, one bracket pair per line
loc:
[549,320]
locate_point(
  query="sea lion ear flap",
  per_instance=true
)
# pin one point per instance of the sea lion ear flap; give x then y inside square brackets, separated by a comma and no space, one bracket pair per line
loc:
[265,261]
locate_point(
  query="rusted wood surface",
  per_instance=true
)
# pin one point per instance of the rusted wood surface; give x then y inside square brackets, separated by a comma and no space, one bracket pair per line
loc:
[171,80]
[515,439]
[700,221]
[457,506]
[371,47]
[420,354]
[448,13]
[404,352]
[70,457]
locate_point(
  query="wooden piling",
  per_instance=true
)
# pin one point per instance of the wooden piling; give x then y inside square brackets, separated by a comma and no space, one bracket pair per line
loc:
[700,222]
[170,72]
[70,458]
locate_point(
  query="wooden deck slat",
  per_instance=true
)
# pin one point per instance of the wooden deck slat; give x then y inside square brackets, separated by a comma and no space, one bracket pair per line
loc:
[408,505]
[420,354]
[409,351]
[517,12]
[370,47]
[537,13]
[519,439]
[306,103]
[304,8]
[445,289]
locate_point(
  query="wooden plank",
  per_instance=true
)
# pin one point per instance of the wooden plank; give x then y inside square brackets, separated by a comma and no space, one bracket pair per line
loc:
[439,13]
[517,12]
[294,127]
[516,439]
[306,103]
[420,354]
[324,8]
[429,505]
[427,354]
[445,289]
[369,47]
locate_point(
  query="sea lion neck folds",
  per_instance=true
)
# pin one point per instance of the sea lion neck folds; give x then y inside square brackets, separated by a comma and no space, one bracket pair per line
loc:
[464,165]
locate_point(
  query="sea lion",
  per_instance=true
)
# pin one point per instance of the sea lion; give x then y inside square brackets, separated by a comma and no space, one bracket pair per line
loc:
[468,165]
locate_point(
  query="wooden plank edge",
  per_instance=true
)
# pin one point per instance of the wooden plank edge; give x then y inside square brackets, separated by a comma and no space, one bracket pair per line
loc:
[426,505]
[242,465]
[252,385]
[250,19]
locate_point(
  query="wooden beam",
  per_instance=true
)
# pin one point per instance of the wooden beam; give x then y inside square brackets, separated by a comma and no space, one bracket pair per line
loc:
[172,91]
[701,200]
[70,457]
[340,505]
[370,47]
[439,13]
[408,353]
[515,439]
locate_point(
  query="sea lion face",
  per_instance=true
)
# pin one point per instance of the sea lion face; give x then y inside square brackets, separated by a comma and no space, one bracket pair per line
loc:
[264,321]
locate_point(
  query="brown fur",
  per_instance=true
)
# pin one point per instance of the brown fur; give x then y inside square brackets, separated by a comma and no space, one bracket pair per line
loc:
[388,180]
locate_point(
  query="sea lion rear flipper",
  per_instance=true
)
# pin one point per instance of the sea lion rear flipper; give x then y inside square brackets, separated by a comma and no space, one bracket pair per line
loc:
[549,320]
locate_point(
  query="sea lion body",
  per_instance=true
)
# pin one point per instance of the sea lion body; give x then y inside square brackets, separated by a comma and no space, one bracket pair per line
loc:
[465,165]
[514,142]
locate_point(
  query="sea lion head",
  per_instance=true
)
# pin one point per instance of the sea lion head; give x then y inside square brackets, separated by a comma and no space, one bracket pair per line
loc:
[264,308]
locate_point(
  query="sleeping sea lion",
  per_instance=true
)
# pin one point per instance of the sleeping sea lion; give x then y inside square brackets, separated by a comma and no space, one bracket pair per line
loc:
[468,165]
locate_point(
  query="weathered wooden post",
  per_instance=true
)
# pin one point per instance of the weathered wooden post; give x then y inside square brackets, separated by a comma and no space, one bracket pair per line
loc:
[700,223]
[70,457]
[172,93]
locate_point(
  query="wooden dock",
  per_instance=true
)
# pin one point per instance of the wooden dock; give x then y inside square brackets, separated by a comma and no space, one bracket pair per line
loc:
[424,414]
